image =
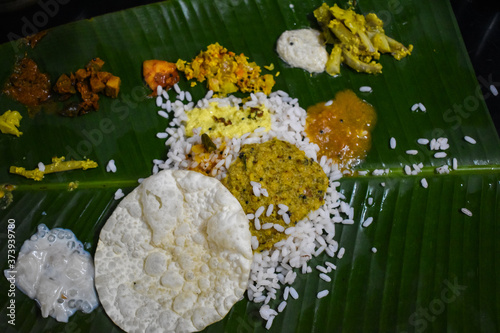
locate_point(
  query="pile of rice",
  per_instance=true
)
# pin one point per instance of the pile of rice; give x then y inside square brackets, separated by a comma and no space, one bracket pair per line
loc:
[271,270]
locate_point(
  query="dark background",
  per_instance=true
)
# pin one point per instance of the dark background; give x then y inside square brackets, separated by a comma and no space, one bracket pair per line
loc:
[479,22]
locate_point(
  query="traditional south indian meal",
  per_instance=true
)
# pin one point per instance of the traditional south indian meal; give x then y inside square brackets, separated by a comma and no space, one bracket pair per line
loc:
[246,195]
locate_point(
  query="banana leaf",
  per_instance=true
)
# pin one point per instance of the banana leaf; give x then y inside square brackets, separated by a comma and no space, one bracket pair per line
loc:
[435,269]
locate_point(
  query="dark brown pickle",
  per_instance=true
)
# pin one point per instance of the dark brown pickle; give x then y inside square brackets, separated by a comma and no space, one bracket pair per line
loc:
[27,84]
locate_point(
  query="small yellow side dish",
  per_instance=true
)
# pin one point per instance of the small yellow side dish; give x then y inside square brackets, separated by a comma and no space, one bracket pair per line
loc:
[357,40]
[58,164]
[227,121]
[9,123]
[226,72]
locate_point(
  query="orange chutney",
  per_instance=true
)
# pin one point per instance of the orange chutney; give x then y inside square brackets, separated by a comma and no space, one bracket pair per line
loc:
[342,130]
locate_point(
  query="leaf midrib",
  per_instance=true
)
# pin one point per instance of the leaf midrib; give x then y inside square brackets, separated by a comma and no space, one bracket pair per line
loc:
[399,172]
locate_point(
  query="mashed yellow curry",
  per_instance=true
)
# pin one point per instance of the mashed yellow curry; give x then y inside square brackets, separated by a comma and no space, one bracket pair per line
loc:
[289,177]
[227,121]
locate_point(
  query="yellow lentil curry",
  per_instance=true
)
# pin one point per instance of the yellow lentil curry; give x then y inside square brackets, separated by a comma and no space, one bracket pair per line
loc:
[227,121]
[289,177]
[342,130]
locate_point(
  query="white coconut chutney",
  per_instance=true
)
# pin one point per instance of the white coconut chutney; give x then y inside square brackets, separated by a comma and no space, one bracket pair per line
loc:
[303,48]
[55,270]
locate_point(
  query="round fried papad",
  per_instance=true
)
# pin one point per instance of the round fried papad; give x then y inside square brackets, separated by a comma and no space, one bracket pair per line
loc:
[174,256]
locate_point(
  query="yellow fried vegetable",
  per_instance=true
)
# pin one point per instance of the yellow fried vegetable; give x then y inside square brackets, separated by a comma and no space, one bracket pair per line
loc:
[113,86]
[9,123]
[226,72]
[159,73]
[58,165]
[360,38]
[360,66]
[332,65]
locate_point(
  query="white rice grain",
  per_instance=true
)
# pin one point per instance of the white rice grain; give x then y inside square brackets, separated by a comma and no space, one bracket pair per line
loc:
[110,167]
[365,89]
[367,222]
[440,155]
[424,183]
[269,210]
[282,306]
[493,90]
[257,225]
[422,141]
[321,269]
[119,194]
[279,227]
[269,322]
[259,211]
[294,293]
[341,252]
[322,293]
[325,277]
[392,143]
[466,211]
[163,114]
[469,140]
[177,88]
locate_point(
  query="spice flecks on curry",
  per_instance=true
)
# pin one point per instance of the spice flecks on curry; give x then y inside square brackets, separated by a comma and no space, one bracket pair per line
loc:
[288,177]
[342,128]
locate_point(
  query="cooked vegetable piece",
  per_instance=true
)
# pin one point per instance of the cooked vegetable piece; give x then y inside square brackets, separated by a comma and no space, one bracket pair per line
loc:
[113,86]
[89,82]
[58,164]
[332,65]
[361,39]
[64,85]
[208,143]
[9,123]
[159,73]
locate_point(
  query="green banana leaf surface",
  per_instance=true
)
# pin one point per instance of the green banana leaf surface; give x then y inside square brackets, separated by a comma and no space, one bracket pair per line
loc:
[435,268]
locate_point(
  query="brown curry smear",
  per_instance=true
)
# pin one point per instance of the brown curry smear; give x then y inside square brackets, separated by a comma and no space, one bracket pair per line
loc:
[34,39]
[342,130]
[27,84]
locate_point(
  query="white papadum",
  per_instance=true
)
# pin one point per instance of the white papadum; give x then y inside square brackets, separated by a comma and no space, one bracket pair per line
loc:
[174,256]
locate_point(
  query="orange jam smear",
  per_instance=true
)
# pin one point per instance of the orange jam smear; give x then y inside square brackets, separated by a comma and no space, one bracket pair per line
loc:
[342,130]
